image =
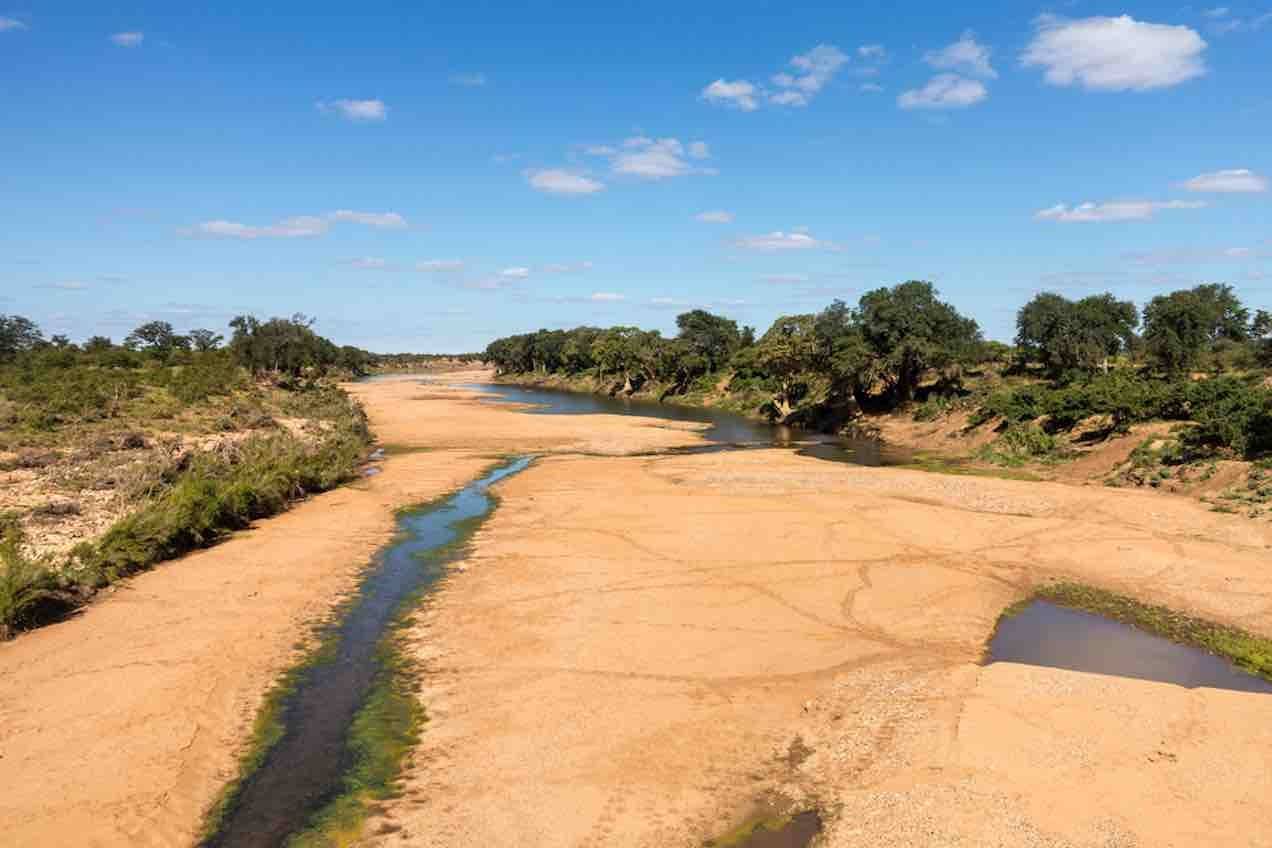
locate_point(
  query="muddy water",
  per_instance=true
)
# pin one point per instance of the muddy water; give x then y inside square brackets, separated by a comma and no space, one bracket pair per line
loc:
[303,770]
[797,832]
[1054,636]
[728,430]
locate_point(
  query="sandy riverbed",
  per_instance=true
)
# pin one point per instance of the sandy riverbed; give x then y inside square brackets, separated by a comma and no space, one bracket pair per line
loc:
[119,726]
[641,649]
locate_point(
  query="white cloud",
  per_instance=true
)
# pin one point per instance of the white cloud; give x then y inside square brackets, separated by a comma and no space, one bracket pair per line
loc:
[517,273]
[606,297]
[369,263]
[1114,54]
[66,285]
[379,220]
[652,160]
[871,87]
[299,226]
[356,110]
[715,216]
[780,241]
[944,91]
[439,266]
[815,69]
[738,94]
[786,279]
[699,150]
[468,80]
[1217,12]
[128,39]
[872,52]
[556,181]
[1233,181]
[965,55]
[599,150]
[11,24]
[566,267]
[1115,210]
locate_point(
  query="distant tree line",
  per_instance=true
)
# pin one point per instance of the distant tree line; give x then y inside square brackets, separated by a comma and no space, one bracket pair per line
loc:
[285,347]
[1095,355]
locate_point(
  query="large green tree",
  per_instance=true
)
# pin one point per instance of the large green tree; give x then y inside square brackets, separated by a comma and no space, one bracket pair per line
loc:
[1180,326]
[907,330]
[18,335]
[1065,335]
[788,352]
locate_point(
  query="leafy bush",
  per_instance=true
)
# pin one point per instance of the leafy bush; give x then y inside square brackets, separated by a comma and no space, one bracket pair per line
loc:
[1021,443]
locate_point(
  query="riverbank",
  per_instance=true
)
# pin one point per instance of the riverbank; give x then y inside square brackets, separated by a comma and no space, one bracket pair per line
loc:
[755,628]
[643,650]
[121,725]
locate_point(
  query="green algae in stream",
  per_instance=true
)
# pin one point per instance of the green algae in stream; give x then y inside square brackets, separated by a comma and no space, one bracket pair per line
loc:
[384,732]
[795,830]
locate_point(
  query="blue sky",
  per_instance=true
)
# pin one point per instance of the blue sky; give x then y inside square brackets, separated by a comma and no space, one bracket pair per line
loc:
[430,176]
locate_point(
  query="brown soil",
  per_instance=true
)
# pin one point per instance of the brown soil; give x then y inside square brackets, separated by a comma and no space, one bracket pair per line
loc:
[636,646]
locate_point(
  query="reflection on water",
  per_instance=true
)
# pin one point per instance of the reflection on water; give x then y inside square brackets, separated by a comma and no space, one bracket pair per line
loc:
[727,428]
[1057,637]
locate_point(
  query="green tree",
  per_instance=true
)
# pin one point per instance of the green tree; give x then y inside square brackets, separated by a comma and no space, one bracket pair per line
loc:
[710,338]
[18,335]
[205,340]
[156,337]
[787,352]
[1180,326]
[907,330]
[1065,335]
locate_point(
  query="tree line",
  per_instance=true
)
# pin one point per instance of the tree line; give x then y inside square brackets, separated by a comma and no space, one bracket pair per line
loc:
[879,352]
[285,347]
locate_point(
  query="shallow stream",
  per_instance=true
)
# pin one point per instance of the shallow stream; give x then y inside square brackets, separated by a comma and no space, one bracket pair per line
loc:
[303,770]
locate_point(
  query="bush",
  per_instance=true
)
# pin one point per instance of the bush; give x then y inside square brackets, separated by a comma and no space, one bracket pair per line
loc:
[27,587]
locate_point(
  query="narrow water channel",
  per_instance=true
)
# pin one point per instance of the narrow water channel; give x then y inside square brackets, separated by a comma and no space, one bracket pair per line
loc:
[303,769]
[1057,637]
[728,430]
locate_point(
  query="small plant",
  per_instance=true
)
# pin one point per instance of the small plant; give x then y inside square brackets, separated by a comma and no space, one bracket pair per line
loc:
[26,585]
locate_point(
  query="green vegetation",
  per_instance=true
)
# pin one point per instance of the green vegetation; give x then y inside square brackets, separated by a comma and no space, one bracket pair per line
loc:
[182,436]
[805,369]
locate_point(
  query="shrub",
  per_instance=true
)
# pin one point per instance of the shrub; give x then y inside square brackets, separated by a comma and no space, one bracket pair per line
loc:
[26,586]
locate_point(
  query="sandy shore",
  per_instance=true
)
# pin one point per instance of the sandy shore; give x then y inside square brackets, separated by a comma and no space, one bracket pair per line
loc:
[119,726]
[640,650]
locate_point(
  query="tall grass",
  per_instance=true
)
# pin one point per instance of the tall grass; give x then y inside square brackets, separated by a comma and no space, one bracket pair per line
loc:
[26,585]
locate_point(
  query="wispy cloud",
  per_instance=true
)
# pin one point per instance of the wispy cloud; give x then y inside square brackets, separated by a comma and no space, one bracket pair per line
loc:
[355,110]
[379,220]
[1232,181]
[1115,210]
[786,279]
[300,226]
[128,39]
[1114,54]
[11,24]
[606,297]
[778,241]
[736,94]
[65,285]
[471,80]
[944,91]
[965,56]
[440,266]
[516,273]
[566,267]
[658,159]
[805,76]
[558,181]
[714,216]
[872,52]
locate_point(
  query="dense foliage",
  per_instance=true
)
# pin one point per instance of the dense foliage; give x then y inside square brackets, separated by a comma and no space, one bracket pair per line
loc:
[1073,360]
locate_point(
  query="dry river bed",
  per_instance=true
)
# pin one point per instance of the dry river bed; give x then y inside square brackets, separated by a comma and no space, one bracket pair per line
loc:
[640,650]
